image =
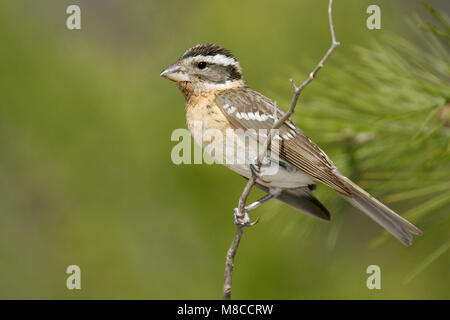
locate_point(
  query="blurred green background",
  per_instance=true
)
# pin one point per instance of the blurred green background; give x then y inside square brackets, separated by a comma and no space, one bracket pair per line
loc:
[86,176]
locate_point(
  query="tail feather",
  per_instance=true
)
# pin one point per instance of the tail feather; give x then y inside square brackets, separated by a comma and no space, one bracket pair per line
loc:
[388,219]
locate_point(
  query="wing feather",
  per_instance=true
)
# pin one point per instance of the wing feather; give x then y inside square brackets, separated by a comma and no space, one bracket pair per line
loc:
[248,109]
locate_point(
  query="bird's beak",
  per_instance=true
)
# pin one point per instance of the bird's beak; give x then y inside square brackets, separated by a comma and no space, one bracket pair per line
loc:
[175,72]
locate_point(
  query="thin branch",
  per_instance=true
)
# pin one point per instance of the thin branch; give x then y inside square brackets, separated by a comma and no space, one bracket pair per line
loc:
[312,75]
[245,193]
[237,239]
[229,262]
[241,214]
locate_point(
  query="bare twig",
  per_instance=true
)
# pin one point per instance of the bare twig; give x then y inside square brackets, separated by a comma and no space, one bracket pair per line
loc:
[251,182]
[237,238]
[312,75]
[229,262]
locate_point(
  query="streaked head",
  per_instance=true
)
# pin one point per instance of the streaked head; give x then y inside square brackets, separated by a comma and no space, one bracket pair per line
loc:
[205,65]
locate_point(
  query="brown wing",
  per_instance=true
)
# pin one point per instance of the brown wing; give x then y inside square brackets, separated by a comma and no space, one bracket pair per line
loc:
[248,109]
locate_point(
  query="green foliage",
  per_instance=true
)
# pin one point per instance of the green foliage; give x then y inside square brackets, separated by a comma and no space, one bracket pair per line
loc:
[384,110]
[444,34]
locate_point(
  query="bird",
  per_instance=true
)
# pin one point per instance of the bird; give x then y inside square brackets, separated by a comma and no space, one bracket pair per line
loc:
[219,100]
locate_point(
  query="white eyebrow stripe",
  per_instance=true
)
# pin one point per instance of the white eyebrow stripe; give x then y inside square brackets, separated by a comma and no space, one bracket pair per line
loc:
[251,116]
[223,60]
[216,59]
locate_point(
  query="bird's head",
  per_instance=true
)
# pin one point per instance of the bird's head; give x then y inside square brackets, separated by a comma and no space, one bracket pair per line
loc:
[205,67]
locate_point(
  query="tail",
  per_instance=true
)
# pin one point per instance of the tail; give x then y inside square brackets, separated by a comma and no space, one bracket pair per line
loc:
[388,219]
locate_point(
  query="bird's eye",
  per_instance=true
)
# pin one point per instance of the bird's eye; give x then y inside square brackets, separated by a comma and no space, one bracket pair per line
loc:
[201,65]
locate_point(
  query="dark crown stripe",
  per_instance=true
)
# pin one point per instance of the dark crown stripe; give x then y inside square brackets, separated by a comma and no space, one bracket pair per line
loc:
[208,49]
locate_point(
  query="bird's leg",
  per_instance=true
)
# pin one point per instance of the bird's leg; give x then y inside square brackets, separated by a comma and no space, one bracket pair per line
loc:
[245,220]
[259,202]
[255,168]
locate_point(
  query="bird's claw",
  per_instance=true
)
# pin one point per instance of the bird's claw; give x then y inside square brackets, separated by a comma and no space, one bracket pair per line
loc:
[243,219]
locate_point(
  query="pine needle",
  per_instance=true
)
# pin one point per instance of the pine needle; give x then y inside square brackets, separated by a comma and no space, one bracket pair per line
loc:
[427,262]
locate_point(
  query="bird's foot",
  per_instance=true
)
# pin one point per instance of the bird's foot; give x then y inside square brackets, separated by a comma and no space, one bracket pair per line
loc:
[243,219]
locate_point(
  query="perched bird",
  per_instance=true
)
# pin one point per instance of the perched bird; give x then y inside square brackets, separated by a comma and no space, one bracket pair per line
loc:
[218,98]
